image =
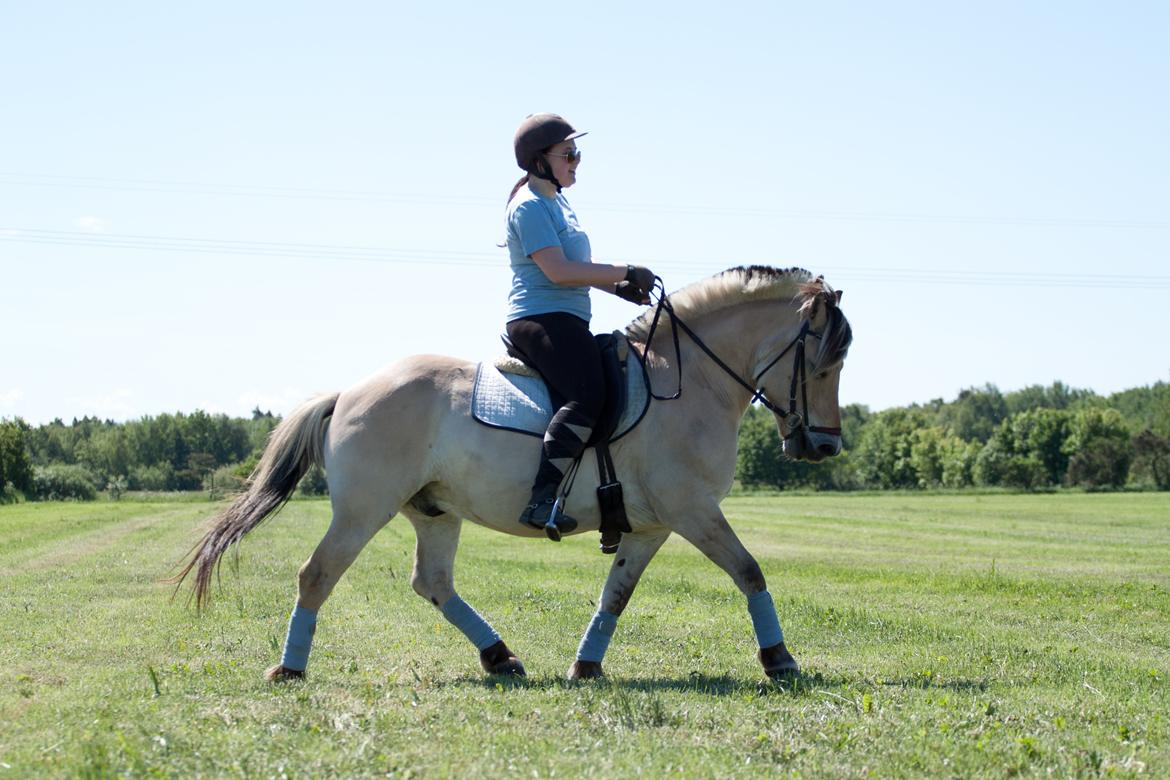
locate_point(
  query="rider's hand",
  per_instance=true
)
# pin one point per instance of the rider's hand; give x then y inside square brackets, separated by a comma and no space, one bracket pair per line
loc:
[630,292]
[641,276]
[641,279]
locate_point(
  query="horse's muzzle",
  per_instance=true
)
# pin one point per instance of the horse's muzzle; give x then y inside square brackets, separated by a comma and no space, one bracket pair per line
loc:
[826,445]
[813,446]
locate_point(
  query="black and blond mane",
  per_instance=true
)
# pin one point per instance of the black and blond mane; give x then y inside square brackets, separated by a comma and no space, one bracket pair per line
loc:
[760,283]
[737,285]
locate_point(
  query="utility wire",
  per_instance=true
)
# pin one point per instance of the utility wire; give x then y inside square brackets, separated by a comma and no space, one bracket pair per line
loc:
[304,193]
[406,256]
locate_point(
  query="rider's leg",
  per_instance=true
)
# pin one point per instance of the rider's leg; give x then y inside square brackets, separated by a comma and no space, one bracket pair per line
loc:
[567,356]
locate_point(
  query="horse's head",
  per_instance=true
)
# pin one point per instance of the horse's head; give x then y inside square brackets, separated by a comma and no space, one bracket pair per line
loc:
[808,375]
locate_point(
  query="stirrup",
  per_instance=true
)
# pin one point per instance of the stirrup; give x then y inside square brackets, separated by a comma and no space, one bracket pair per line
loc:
[554,525]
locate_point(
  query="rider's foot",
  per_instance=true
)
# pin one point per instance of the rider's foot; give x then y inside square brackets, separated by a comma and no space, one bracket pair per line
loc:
[539,514]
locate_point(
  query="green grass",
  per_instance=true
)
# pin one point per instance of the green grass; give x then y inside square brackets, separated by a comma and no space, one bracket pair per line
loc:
[941,636]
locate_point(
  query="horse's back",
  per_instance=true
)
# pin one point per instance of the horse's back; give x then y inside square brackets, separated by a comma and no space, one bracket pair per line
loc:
[400,409]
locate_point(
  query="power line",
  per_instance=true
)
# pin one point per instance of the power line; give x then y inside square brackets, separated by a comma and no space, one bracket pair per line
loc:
[324,252]
[305,193]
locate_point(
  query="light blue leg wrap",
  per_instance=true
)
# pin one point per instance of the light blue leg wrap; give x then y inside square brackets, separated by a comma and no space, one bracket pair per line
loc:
[467,620]
[301,625]
[597,636]
[764,619]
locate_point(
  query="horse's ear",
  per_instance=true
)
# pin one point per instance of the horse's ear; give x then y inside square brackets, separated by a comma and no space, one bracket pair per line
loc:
[837,295]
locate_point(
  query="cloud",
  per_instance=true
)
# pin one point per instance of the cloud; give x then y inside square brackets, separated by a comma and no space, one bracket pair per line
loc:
[93,224]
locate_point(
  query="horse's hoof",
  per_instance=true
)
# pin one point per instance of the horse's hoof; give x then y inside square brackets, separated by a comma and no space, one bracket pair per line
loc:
[585,670]
[278,673]
[498,659]
[778,663]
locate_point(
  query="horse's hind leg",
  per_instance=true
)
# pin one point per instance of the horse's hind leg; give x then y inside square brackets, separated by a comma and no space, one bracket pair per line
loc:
[713,536]
[433,578]
[349,532]
[632,557]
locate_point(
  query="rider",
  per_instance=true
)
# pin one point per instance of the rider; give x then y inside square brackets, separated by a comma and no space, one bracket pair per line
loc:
[548,307]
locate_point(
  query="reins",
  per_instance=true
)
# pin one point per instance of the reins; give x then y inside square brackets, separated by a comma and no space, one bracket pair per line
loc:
[798,369]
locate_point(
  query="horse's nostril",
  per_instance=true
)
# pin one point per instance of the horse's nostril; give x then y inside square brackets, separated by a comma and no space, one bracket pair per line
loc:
[828,450]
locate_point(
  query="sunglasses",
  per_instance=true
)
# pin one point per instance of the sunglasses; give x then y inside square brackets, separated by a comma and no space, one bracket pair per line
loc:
[572,155]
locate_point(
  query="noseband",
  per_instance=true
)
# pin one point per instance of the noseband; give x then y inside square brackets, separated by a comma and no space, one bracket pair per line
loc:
[793,419]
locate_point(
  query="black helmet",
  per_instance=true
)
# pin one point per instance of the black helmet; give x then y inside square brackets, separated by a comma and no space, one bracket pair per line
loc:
[537,133]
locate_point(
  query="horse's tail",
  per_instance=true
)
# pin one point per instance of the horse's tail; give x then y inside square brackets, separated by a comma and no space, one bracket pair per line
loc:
[294,445]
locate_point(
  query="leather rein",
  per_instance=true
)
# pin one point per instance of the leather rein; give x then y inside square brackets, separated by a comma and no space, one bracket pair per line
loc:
[791,416]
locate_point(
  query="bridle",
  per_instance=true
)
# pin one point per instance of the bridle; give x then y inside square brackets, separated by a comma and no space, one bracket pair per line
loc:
[793,419]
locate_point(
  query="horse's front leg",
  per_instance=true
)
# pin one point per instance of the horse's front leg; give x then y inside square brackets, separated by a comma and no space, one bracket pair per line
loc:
[713,536]
[630,560]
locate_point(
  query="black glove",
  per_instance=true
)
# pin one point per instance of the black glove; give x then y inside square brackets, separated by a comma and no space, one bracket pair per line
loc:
[641,277]
[630,292]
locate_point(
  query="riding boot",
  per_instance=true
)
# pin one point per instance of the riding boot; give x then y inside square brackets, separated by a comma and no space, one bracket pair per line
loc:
[564,441]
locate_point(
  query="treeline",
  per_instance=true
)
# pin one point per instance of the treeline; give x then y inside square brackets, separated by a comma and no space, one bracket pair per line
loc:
[164,453]
[1037,438]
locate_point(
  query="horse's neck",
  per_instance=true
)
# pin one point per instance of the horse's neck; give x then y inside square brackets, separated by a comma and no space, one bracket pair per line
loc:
[735,336]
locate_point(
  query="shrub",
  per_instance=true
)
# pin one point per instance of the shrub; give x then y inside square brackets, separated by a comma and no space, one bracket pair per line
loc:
[313,483]
[1105,465]
[60,482]
[225,479]
[156,477]
[116,486]
[1100,449]
[1153,458]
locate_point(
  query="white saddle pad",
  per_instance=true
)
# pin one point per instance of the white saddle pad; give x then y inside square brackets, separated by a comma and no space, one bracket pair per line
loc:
[522,403]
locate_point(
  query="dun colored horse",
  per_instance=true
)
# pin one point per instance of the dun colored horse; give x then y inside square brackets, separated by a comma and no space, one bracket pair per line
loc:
[404,441]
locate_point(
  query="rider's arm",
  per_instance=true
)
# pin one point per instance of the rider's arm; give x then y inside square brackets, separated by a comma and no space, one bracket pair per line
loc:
[560,270]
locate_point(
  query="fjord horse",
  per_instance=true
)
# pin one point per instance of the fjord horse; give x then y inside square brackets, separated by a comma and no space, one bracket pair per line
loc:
[404,442]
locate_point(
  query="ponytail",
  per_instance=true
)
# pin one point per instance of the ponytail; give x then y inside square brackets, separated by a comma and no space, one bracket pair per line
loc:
[519,184]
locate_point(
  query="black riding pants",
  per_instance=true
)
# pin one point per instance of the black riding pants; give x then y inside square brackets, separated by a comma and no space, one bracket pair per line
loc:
[563,350]
[565,353]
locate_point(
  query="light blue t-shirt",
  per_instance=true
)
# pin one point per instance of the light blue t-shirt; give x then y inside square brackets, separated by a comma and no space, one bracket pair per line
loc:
[536,222]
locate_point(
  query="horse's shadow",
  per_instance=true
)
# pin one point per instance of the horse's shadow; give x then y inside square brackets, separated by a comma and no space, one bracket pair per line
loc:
[719,685]
[695,682]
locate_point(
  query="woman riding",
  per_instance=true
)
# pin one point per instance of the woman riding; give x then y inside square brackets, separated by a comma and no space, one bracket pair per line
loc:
[548,307]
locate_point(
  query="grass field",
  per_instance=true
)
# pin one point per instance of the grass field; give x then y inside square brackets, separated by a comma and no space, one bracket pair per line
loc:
[941,636]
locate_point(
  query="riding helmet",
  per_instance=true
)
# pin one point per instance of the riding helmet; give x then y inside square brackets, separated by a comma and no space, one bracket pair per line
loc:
[536,133]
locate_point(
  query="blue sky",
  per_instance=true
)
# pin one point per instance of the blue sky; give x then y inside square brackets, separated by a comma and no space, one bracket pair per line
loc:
[229,205]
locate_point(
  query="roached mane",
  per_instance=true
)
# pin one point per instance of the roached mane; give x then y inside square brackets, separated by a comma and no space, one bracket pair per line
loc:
[736,285]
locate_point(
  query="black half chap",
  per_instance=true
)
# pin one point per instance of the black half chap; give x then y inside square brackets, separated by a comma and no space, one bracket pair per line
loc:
[565,353]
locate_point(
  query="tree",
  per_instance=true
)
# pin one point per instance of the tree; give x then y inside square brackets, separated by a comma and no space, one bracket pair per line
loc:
[1041,434]
[15,470]
[760,460]
[959,463]
[883,456]
[999,464]
[927,447]
[940,459]
[975,414]
[314,482]
[1100,449]
[1058,396]
[1152,456]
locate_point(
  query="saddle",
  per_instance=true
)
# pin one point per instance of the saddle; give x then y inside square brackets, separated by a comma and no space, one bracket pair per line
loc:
[510,394]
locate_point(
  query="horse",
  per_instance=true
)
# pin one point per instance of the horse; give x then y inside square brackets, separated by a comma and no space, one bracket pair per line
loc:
[404,441]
